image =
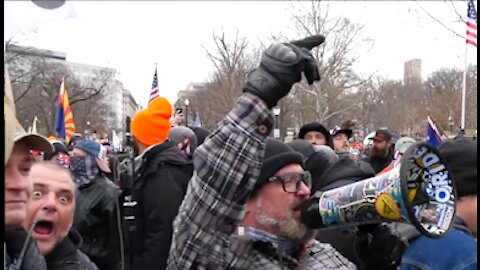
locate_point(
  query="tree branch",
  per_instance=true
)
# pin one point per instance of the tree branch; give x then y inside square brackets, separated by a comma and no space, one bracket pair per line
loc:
[440,22]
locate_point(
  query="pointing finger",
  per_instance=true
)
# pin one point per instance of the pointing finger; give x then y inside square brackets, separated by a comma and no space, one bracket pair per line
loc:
[309,42]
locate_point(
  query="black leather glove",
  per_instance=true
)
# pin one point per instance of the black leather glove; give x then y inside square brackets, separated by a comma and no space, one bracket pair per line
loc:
[378,247]
[281,66]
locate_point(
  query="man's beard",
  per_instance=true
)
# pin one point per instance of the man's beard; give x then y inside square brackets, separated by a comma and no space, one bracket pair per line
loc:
[289,228]
[344,149]
[67,231]
[377,152]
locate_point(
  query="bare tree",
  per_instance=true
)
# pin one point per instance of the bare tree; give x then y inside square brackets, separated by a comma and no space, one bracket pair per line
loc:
[328,100]
[455,15]
[405,108]
[26,68]
[232,61]
[444,90]
[36,84]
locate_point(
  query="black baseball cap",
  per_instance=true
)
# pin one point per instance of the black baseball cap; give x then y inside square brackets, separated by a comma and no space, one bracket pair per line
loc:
[382,135]
[337,130]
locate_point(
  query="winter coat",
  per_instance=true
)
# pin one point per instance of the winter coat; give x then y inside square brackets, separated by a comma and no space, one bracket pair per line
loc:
[159,187]
[15,241]
[377,163]
[457,249]
[96,221]
[67,255]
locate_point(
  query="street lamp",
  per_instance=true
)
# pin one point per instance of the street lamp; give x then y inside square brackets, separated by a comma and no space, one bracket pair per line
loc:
[187,102]
[87,132]
[450,122]
[317,102]
[276,131]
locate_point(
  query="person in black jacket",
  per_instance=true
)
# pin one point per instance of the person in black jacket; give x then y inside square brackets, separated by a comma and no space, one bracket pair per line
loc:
[97,209]
[381,153]
[161,180]
[50,212]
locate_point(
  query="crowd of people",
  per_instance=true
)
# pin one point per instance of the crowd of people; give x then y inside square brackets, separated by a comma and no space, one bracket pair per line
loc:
[230,198]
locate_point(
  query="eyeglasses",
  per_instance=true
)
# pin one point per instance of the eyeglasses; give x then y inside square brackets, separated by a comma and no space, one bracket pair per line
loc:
[292,181]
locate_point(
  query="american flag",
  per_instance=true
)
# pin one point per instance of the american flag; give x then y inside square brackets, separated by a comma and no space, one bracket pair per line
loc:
[154,91]
[472,24]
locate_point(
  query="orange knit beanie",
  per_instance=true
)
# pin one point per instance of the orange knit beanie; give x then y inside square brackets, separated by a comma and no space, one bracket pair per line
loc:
[151,125]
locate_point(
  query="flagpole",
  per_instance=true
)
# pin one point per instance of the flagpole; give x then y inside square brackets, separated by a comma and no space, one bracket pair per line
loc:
[155,78]
[464,89]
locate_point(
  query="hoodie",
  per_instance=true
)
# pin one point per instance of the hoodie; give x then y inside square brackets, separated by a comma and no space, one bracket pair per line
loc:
[67,255]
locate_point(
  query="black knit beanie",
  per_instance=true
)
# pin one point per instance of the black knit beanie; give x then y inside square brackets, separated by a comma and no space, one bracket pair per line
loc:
[277,156]
[460,155]
[316,126]
[319,163]
[303,147]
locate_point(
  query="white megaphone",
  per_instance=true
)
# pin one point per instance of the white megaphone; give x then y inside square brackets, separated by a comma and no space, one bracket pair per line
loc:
[419,190]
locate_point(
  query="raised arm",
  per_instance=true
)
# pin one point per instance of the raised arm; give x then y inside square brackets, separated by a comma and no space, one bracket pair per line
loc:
[228,163]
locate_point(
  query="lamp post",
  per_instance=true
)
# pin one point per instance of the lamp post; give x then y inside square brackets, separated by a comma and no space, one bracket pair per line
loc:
[87,132]
[317,102]
[187,102]
[450,122]
[276,130]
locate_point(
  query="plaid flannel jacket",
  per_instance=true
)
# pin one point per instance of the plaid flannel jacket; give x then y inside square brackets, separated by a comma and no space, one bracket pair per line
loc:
[227,165]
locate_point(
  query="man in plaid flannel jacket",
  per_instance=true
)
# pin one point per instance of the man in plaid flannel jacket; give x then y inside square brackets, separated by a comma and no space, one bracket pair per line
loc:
[239,210]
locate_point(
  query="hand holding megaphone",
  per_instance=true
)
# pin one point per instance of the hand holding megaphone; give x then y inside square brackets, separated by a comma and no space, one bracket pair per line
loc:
[418,191]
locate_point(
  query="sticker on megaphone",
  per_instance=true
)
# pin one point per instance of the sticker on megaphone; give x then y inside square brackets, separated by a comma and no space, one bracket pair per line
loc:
[419,191]
[429,191]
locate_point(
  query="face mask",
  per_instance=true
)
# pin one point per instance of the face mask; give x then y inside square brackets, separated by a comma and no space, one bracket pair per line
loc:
[84,169]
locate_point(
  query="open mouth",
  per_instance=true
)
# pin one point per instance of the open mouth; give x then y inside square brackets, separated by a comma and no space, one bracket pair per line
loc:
[43,227]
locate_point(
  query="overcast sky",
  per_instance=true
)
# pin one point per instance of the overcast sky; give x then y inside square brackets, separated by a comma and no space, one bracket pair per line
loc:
[131,36]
